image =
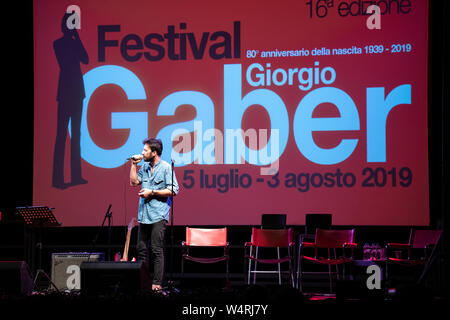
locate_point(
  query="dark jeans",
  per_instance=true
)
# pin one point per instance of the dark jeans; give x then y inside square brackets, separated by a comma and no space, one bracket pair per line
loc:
[153,233]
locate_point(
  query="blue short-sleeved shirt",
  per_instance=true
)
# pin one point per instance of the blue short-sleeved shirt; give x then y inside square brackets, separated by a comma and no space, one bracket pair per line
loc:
[154,209]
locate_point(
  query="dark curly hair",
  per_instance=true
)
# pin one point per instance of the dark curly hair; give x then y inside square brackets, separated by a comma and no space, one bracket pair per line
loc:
[154,144]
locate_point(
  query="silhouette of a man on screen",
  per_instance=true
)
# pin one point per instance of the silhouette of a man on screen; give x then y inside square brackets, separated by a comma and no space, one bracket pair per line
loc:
[69,52]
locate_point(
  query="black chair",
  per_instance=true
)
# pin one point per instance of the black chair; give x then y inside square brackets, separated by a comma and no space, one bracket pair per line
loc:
[273,221]
[315,221]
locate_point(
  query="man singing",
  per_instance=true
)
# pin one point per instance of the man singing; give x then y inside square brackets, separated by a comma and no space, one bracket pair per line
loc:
[155,179]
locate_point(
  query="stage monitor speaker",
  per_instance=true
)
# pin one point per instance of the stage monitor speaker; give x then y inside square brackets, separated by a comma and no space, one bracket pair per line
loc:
[357,290]
[114,277]
[15,278]
[66,268]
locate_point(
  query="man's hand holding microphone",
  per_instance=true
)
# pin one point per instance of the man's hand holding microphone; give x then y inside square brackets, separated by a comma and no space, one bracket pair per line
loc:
[144,192]
[133,174]
[136,158]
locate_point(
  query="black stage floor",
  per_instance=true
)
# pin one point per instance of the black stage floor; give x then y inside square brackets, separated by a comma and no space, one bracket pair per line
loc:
[235,302]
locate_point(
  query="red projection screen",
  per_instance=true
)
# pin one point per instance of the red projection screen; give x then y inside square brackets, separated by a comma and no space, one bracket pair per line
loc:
[291,106]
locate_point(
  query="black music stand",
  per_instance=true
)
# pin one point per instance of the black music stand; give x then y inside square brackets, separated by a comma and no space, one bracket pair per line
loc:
[39,217]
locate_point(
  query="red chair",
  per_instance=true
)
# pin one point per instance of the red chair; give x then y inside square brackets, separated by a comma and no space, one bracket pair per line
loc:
[419,240]
[327,241]
[203,237]
[270,238]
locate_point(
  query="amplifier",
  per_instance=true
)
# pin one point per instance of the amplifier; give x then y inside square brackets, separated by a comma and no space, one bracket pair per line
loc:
[66,268]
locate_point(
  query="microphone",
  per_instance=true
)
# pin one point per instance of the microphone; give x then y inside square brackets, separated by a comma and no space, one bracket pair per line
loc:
[134,158]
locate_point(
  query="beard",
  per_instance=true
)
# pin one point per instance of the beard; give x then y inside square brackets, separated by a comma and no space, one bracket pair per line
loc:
[149,159]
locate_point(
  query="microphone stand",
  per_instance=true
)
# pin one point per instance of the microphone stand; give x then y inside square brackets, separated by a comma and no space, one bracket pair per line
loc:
[108,216]
[171,281]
